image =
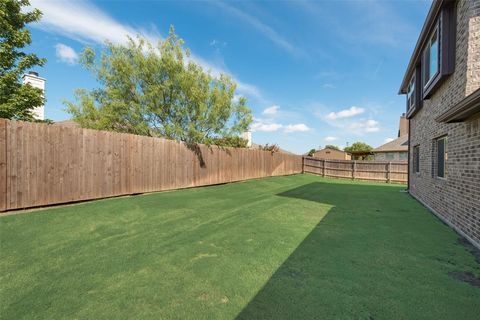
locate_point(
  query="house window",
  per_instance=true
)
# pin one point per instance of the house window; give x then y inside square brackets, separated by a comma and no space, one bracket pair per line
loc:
[403,155]
[442,157]
[416,159]
[431,56]
[390,155]
[411,94]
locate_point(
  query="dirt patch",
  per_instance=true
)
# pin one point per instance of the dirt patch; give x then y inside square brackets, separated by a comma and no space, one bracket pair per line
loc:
[225,300]
[203,256]
[203,297]
[467,277]
[470,247]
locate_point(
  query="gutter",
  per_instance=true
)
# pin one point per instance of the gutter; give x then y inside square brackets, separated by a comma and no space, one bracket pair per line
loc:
[408,157]
[466,108]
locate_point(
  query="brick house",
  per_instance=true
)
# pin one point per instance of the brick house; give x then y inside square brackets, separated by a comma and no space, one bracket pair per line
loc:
[442,88]
[396,150]
[331,154]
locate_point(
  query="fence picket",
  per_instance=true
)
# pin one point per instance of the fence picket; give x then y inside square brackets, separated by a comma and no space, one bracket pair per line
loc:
[44,164]
[358,170]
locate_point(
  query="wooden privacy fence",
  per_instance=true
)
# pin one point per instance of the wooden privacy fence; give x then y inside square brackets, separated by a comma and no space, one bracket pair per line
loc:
[396,172]
[44,164]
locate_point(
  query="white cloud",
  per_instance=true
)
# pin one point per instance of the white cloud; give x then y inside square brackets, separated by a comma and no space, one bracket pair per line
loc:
[66,53]
[330,138]
[271,111]
[371,126]
[263,28]
[347,113]
[84,22]
[362,127]
[328,86]
[217,43]
[299,127]
[260,126]
[266,125]
[387,140]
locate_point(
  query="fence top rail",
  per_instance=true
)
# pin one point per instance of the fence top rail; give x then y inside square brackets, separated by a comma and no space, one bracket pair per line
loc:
[357,161]
[79,129]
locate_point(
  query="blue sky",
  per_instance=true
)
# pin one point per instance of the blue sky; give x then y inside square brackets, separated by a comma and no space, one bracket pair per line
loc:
[314,72]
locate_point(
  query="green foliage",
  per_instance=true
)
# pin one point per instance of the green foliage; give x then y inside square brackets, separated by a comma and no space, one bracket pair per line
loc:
[270,147]
[331,146]
[358,146]
[16,100]
[311,152]
[234,141]
[159,91]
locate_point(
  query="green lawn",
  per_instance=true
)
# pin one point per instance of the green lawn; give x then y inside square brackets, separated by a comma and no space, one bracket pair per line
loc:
[297,247]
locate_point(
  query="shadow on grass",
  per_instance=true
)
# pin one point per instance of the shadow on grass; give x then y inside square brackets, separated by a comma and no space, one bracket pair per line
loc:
[376,254]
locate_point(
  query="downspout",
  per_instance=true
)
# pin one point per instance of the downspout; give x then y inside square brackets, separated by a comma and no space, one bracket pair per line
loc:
[408,161]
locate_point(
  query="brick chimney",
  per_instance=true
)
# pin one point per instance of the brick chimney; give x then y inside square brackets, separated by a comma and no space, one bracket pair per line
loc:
[403,126]
[35,81]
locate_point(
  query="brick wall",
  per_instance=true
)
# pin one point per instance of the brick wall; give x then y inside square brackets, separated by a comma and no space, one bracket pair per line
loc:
[457,198]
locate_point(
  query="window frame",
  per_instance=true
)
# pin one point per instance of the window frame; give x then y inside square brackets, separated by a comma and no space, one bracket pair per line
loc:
[418,89]
[445,29]
[412,99]
[390,155]
[445,157]
[429,80]
[416,159]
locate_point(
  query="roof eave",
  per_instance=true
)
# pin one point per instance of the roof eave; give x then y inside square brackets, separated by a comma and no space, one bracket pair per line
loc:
[462,110]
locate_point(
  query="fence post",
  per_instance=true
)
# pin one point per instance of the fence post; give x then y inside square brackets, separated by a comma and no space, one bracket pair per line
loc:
[388,171]
[303,164]
[354,168]
[3,165]
[323,167]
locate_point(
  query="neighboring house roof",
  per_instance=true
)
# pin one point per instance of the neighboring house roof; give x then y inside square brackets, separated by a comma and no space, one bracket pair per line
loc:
[422,39]
[306,154]
[399,144]
[332,150]
[67,123]
[462,110]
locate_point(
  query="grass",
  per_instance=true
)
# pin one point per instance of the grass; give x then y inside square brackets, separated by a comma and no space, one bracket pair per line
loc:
[277,248]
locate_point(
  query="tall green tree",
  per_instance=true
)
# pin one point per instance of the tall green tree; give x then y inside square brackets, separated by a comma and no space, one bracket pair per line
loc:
[331,146]
[159,91]
[17,100]
[358,146]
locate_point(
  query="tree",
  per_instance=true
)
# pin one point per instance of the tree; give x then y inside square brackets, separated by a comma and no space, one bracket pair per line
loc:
[331,146]
[159,91]
[358,146]
[235,142]
[17,100]
[311,152]
[270,147]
